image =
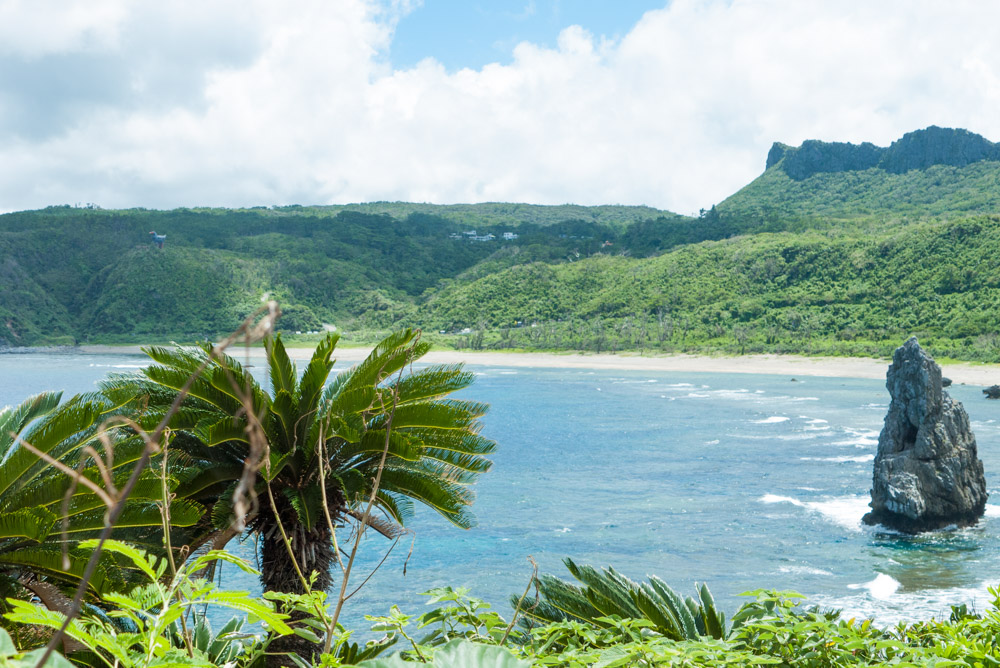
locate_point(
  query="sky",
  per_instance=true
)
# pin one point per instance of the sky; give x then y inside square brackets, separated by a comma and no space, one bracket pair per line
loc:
[125,103]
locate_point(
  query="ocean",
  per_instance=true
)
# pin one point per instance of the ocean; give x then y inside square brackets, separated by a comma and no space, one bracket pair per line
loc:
[741,481]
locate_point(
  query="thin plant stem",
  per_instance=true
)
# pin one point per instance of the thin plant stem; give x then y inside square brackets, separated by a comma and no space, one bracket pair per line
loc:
[520,601]
[265,325]
[165,512]
[371,499]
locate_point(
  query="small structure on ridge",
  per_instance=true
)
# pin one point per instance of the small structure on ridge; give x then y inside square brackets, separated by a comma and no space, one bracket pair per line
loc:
[928,474]
[158,239]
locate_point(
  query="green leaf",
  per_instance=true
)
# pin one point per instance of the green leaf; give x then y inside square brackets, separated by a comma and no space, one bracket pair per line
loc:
[135,555]
[461,653]
[55,660]
[7,647]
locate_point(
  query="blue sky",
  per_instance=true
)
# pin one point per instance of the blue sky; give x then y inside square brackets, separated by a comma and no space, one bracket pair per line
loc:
[256,102]
[473,33]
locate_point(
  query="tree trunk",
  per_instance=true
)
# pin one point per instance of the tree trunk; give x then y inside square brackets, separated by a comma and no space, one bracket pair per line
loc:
[313,552]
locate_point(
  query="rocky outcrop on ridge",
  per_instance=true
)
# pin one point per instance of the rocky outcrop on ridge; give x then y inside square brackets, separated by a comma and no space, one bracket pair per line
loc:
[914,150]
[927,474]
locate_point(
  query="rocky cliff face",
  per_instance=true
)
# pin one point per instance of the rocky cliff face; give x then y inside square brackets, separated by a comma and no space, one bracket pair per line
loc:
[915,150]
[928,474]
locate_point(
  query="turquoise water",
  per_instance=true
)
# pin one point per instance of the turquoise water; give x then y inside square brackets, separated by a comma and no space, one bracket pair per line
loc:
[742,481]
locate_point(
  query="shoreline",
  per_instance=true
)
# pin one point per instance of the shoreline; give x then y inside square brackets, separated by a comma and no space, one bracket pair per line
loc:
[773,364]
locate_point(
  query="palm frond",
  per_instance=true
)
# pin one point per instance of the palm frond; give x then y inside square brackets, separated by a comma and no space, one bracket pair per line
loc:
[57,434]
[433,382]
[13,419]
[281,370]
[448,499]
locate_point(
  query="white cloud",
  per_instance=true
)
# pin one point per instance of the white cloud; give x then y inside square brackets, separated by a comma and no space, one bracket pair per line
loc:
[255,102]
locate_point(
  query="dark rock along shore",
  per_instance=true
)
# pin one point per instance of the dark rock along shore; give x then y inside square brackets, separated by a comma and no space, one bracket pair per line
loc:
[927,472]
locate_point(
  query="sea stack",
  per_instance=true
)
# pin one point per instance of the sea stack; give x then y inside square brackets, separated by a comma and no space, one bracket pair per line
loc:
[928,474]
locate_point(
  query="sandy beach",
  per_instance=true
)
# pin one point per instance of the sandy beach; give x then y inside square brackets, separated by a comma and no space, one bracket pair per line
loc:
[785,365]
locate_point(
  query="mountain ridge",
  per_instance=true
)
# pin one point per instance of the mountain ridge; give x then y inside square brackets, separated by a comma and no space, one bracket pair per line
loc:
[919,149]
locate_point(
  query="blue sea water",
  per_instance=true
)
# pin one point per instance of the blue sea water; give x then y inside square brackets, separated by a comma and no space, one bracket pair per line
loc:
[741,481]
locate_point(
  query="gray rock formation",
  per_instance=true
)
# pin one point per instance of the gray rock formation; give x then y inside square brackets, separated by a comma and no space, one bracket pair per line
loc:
[914,150]
[992,392]
[928,474]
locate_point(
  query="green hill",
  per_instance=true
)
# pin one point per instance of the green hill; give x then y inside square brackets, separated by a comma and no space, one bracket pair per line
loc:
[934,172]
[835,248]
[814,293]
[92,275]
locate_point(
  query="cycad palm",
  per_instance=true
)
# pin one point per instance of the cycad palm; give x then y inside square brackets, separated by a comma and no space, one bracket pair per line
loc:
[434,448]
[608,593]
[35,525]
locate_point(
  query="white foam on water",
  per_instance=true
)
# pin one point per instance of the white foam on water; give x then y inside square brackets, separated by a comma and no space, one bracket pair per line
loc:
[817,421]
[799,436]
[882,587]
[563,530]
[733,394]
[804,570]
[817,427]
[992,510]
[859,438]
[774,498]
[857,442]
[679,385]
[508,373]
[904,606]
[715,442]
[860,459]
[774,419]
[843,511]
[119,366]
[697,395]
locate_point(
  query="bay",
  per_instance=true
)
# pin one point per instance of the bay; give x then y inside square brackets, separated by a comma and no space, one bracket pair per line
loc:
[741,481]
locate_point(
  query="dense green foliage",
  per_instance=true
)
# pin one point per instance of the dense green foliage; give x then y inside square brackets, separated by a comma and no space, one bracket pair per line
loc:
[317,442]
[607,593]
[872,197]
[817,293]
[37,526]
[492,214]
[834,249]
[93,275]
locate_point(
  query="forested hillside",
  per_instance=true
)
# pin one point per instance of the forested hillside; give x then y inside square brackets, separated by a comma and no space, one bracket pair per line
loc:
[71,274]
[835,248]
[810,292]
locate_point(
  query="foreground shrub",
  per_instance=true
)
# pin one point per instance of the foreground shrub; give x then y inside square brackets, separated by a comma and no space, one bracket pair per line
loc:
[148,626]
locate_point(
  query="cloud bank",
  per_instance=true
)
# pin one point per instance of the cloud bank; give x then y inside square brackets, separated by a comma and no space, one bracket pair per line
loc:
[247,102]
